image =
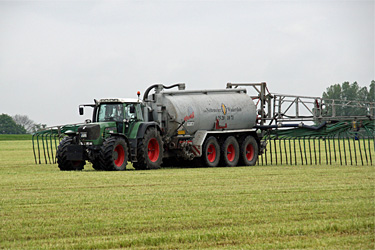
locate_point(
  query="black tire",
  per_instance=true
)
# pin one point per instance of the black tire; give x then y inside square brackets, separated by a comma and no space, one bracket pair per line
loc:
[249,151]
[114,154]
[150,151]
[61,155]
[96,165]
[230,152]
[211,152]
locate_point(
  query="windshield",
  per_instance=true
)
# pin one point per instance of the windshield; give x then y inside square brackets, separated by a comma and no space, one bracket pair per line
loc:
[111,112]
[119,112]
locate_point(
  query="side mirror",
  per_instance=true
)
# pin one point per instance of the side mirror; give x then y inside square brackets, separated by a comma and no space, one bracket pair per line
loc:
[81,110]
[132,109]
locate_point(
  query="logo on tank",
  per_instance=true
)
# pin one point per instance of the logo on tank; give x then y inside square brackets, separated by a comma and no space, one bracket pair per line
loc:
[223,109]
[190,114]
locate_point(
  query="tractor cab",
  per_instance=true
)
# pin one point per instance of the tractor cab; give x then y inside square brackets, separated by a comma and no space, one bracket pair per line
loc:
[124,112]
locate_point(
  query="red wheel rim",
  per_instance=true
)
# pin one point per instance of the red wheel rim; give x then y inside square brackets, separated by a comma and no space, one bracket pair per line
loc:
[249,152]
[231,152]
[153,150]
[120,155]
[211,153]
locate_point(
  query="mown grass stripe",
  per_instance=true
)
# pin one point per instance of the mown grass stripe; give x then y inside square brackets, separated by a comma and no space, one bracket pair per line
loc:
[260,207]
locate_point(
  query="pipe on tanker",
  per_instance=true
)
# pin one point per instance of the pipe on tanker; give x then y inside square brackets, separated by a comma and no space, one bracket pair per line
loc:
[157,85]
[299,125]
[148,91]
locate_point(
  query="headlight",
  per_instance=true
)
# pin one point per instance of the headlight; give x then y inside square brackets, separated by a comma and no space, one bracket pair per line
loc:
[83,134]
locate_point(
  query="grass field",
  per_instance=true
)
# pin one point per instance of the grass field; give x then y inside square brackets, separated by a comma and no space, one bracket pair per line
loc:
[5,137]
[261,207]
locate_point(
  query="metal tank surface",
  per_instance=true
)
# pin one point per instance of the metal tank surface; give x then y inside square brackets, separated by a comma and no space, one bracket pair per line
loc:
[186,112]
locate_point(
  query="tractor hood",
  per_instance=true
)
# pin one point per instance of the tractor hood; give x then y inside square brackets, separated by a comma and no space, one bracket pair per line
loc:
[95,132]
[90,133]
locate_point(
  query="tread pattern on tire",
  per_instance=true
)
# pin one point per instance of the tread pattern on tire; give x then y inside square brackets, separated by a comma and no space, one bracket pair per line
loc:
[206,162]
[61,155]
[96,165]
[224,160]
[243,159]
[142,152]
[106,160]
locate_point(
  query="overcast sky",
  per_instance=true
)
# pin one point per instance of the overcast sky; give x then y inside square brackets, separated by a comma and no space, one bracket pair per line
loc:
[55,55]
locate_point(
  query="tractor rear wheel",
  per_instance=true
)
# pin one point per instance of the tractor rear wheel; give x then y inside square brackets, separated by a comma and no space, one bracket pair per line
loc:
[114,154]
[249,151]
[211,152]
[63,163]
[150,151]
[230,151]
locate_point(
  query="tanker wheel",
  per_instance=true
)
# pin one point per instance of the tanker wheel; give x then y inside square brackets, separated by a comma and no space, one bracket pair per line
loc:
[230,151]
[114,154]
[150,151]
[249,151]
[61,155]
[211,152]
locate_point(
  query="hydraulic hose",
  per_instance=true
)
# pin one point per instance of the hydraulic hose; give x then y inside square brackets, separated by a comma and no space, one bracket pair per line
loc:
[157,85]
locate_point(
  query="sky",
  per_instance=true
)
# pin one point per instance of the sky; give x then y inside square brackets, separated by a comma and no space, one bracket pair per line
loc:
[56,55]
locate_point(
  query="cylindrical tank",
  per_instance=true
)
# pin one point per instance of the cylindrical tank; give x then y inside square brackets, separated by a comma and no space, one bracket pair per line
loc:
[204,110]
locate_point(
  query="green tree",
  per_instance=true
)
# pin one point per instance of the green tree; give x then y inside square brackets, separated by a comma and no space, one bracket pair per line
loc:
[333,92]
[371,92]
[9,126]
[343,94]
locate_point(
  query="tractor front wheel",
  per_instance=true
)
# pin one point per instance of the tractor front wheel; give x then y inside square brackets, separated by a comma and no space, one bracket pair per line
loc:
[97,165]
[63,163]
[114,154]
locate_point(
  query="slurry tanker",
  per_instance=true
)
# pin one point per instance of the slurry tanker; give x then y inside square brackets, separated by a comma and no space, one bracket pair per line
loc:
[166,128]
[181,127]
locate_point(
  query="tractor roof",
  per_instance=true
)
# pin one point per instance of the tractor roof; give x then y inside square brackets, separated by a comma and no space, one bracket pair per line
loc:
[117,100]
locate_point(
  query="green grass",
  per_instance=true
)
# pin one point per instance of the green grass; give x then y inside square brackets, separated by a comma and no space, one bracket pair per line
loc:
[262,207]
[4,137]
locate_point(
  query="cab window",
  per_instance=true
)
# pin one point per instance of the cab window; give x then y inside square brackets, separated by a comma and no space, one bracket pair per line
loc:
[133,112]
[111,112]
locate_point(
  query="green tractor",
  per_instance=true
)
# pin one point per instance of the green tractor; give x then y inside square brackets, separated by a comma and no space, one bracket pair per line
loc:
[116,134]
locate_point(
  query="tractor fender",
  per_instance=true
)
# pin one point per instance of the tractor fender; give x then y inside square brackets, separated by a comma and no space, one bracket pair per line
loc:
[122,136]
[144,126]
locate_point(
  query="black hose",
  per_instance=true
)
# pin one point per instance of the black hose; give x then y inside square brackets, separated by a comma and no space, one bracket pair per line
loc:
[157,85]
[148,91]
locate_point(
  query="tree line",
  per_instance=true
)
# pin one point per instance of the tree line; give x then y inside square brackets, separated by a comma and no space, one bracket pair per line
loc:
[18,124]
[352,92]
[347,93]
